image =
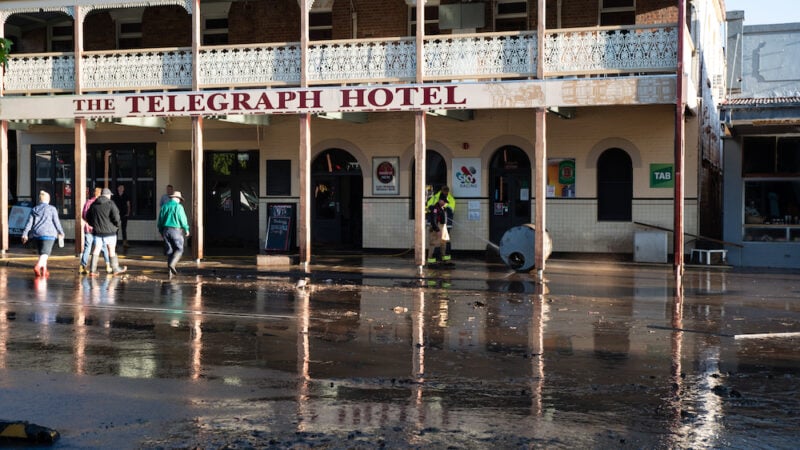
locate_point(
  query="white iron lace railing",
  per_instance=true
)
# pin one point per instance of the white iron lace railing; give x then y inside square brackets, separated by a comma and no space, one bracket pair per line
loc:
[164,68]
[35,73]
[479,56]
[609,50]
[250,65]
[362,60]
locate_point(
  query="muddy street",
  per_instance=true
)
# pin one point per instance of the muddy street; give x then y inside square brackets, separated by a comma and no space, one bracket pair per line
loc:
[603,355]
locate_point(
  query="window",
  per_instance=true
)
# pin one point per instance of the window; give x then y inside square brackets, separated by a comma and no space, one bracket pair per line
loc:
[129,34]
[431,19]
[617,12]
[53,172]
[511,15]
[771,174]
[320,25]
[215,31]
[61,37]
[614,186]
[133,165]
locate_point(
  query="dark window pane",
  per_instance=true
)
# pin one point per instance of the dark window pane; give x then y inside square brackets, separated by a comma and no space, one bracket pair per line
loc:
[53,168]
[789,155]
[129,43]
[320,19]
[130,27]
[217,24]
[617,3]
[62,31]
[518,24]
[62,46]
[617,18]
[279,177]
[320,35]
[614,186]
[759,155]
[215,39]
[512,8]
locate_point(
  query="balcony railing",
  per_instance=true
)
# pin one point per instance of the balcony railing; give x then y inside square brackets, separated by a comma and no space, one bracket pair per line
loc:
[480,56]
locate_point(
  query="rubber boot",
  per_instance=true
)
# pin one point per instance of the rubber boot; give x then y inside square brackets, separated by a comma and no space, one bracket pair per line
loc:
[93,265]
[85,268]
[115,264]
[172,263]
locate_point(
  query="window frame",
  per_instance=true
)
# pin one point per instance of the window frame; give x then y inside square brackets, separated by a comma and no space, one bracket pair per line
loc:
[63,199]
[431,24]
[601,11]
[53,38]
[511,18]
[141,208]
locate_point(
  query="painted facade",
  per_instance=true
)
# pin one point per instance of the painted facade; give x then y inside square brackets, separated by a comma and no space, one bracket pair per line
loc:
[610,93]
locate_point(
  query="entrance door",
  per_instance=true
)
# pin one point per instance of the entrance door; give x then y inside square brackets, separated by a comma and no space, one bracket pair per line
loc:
[338,190]
[510,191]
[231,216]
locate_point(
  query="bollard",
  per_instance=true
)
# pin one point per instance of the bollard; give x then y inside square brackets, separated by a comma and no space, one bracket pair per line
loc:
[517,247]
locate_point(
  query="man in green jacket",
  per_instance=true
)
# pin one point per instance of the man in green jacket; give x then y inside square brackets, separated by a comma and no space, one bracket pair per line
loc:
[445,201]
[173,226]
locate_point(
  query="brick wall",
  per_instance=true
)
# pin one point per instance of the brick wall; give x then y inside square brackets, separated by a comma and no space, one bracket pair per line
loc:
[99,32]
[264,21]
[166,26]
[656,11]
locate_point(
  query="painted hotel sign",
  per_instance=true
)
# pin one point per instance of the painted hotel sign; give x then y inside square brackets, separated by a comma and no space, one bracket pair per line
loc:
[410,97]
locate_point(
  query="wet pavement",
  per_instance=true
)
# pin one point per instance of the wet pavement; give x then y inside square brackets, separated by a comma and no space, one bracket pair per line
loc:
[370,355]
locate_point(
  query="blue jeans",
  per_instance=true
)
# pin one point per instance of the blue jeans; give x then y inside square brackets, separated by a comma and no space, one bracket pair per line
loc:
[88,240]
[173,245]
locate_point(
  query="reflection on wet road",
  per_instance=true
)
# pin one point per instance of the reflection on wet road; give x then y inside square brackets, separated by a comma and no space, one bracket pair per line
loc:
[609,356]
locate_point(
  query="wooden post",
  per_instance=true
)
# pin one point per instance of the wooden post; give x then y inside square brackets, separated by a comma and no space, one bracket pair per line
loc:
[197,227]
[420,150]
[540,154]
[79,194]
[680,107]
[304,222]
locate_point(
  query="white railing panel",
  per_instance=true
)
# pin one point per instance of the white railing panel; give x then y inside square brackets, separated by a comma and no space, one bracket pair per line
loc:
[362,60]
[123,70]
[611,50]
[250,65]
[485,55]
[40,73]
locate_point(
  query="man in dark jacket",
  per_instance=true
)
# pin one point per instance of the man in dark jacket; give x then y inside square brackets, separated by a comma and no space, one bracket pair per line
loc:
[103,217]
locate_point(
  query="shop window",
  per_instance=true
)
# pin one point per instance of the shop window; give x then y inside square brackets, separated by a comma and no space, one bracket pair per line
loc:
[431,19]
[53,172]
[614,186]
[617,12]
[771,174]
[561,177]
[132,165]
[511,15]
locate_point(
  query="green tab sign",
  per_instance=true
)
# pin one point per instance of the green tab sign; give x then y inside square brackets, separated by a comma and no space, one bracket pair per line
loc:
[661,176]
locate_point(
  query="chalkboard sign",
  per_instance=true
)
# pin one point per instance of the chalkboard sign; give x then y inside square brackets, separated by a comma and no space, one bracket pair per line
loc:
[278,234]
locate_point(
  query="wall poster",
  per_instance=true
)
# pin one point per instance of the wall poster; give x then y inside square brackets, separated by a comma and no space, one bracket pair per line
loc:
[385,175]
[466,177]
[561,177]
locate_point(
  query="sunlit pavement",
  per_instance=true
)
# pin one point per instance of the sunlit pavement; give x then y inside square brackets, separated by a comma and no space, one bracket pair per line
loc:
[368,353]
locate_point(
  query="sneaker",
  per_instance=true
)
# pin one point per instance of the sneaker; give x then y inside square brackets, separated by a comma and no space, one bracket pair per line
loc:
[37,272]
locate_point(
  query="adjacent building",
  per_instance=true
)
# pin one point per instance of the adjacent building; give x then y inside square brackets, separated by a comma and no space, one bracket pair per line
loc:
[590,116]
[762,149]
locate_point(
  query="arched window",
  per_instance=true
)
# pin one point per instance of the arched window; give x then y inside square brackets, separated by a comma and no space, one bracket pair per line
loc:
[614,186]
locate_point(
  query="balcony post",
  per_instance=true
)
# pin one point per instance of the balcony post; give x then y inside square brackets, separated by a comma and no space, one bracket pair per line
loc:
[540,153]
[680,108]
[304,225]
[79,191]
[4,177]
[198,228]
[420,150]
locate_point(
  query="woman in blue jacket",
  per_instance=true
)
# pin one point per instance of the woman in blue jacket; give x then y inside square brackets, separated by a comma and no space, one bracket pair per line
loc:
[44,227]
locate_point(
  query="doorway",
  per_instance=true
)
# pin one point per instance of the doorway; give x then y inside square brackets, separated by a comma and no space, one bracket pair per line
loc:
[510,191]
[231,215]
[338,190]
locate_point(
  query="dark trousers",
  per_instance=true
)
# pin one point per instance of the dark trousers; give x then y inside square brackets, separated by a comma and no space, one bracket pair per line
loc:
[124,227]
[173,245]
